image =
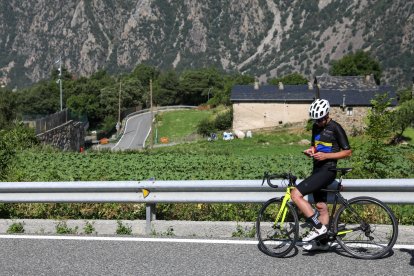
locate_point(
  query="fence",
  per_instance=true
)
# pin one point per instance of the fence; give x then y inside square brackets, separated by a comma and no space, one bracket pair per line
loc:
[52,121]
[396,191]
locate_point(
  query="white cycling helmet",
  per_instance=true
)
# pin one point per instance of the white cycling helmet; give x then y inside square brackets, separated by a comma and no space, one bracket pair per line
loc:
[319,108]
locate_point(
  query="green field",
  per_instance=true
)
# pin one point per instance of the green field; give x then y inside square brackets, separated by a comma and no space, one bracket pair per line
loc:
[179,125]
[409,133]
[277,151]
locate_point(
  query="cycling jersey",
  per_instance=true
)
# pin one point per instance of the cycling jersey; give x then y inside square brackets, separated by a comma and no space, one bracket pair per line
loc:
[330,138]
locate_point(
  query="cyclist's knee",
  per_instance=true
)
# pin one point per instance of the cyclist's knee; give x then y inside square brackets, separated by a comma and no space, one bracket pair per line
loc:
[321,206]
[296,195]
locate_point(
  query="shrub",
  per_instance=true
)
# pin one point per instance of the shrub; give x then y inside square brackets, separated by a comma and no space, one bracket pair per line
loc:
[62,228]
[16,138]
[246,232]
[88,228]
[205,127]
[123,229]
[224,120]
[16,227]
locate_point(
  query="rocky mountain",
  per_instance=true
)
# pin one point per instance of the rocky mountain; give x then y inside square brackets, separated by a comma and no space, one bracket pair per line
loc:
[266,38]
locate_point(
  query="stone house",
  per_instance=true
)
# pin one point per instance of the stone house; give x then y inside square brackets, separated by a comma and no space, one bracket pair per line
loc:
[257,107]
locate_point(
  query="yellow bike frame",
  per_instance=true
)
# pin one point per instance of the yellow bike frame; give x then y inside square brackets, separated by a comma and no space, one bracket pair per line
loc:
[283,210]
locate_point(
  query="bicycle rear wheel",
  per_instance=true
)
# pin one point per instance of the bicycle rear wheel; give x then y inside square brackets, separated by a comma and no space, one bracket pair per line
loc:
[366,228]
[277,238]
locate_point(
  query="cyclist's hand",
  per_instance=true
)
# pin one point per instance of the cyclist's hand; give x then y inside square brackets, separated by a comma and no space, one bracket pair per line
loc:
[308,152]
[320,156]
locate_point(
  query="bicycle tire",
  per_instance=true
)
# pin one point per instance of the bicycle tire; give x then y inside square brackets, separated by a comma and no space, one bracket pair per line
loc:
[375,228]
[277,239]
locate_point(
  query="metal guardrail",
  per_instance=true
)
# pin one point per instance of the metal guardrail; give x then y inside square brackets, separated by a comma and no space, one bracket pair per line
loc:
[396,191]
[160,108]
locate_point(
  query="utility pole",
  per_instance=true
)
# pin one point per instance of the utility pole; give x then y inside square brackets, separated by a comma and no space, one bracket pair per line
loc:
[60,82]
[118,124]
[152,118]
[317,92]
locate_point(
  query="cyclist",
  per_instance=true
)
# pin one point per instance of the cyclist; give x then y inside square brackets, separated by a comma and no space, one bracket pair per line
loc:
[329,143]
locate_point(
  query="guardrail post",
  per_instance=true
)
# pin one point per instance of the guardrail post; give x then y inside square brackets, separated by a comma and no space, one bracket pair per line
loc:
[149,216]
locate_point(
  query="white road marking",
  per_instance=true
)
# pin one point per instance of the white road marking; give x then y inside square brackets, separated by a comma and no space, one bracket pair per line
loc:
[136,239]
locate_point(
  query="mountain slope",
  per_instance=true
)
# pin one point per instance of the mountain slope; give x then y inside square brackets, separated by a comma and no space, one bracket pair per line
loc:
[261,37]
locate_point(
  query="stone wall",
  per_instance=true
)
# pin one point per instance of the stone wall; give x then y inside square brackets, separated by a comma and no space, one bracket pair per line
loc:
[69,136]
[248,116]
[352,119]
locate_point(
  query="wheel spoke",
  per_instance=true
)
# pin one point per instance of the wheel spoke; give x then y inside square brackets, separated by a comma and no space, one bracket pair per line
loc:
[277,238]
[366,228]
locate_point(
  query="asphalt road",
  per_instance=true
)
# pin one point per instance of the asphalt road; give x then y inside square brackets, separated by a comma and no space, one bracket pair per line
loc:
[136,132]
[117,256]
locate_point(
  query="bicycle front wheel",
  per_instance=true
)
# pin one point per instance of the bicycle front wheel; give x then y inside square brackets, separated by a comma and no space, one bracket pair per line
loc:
[277,228]
[366,228]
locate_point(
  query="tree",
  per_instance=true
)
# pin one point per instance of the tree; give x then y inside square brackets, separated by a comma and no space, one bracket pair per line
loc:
[166,89]
[404,95]
[294,79]
[40,99]
[359,63]
[84,96]
[144,73]
[403,117]
[7,108]
[195,85]
[379,130]
[222,96]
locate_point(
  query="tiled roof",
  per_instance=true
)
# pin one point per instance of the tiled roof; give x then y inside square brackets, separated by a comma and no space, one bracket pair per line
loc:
[354,96]
[271,93]
[347,83]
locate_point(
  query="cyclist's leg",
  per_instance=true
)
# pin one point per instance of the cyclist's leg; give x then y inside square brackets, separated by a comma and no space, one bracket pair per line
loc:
[322,207]
[307,186]
[320,178]
[323,212]
[325,177]
[321,198]
[302,203]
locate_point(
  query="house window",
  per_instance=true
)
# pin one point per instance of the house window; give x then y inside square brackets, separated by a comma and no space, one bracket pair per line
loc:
[349,111]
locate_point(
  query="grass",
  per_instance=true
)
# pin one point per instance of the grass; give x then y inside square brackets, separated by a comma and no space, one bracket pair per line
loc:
[62,228]
[16,227]
[88,228]
[123,229]
[261,144]
[409,133]
[178,125]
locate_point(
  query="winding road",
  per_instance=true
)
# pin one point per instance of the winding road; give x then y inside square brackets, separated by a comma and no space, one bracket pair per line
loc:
[137,129]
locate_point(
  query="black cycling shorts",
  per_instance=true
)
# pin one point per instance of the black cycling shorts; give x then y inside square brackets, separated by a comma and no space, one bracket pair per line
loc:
[320,178]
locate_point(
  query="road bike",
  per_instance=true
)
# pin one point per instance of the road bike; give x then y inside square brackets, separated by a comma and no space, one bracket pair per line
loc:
[363,226]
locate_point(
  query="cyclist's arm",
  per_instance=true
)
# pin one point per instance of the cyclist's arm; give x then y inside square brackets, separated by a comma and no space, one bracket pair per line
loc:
[309,152]
[343,144]
[332,155]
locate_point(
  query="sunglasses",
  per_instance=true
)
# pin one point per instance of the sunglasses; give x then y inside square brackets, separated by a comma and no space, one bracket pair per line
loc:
[319,120]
